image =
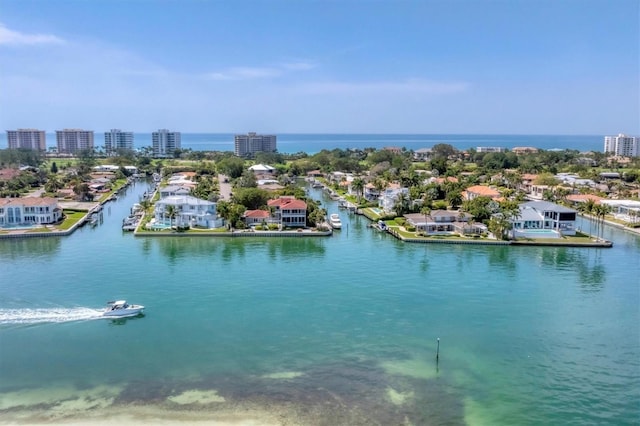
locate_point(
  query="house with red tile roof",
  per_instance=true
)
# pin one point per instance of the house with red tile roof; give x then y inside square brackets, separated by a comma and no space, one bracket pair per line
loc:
[29,211]
[256,217]
[289,211]
[8,174]
[577,199]
[480,191]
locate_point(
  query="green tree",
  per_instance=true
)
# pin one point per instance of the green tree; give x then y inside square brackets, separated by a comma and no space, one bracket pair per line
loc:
[426,211]
[171,212]
[251,198]
[358,187]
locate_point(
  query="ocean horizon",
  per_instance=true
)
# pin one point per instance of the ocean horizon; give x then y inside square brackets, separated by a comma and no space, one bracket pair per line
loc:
[312,143]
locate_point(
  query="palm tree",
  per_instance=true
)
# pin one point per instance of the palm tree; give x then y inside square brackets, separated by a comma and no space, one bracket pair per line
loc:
[402,203]
[171,211]
[587,208]
[510,210]
[601,212]
[358,185]
[426,211]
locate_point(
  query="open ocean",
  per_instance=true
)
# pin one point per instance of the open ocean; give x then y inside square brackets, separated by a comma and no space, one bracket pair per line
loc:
[312,143]
[338,330]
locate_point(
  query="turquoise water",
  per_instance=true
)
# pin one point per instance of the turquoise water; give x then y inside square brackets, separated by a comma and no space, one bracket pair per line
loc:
[338,330]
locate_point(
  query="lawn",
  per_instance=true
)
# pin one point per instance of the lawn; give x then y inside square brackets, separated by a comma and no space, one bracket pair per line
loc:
[71,218]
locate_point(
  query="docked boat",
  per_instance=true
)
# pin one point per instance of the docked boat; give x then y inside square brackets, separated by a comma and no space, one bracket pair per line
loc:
[130,223]
[121,309]
[334,221]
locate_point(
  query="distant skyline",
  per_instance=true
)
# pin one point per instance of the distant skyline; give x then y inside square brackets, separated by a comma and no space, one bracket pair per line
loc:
[351,66]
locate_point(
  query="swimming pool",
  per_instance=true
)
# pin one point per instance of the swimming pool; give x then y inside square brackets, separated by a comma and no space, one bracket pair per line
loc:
[536,233]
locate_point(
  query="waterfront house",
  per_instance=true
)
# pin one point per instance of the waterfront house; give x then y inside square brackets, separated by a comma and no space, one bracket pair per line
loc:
[624,210]
[537,216]
[577,199]
[256,217]
[371,193]
[289,211]
[443,222]
[29,211]
[189,211]
[390,196]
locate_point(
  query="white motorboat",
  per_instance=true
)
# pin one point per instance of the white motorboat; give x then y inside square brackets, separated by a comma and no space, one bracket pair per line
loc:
[334,221]
[120,309]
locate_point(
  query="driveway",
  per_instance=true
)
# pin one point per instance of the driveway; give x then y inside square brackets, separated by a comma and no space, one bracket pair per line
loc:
[225,187]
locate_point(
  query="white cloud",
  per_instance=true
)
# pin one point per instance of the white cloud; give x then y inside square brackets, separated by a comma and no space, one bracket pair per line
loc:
[244,73]
[403,86]
[255,73]
[13,38]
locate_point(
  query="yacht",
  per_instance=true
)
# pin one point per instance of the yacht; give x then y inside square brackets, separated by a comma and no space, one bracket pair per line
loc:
[120,309]
[334,221]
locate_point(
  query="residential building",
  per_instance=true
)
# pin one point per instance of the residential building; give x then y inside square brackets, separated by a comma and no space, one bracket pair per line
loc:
[165,142]
[423,154]
[173,190]
[480,191]
[370,192]
[189,211]
[27,139]
[391,195]
[289,211]
[440,222]
[625,210]
[256,217]
[29,211]
[70,141]
[116,139]
[262,169]
[247,145]
[487,149]
[521,150]
[536,216]
[623,145]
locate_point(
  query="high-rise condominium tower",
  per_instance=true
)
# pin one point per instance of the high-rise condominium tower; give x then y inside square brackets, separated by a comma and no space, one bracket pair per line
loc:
[249,144]
[116,139]
[165,143]
[27,139]
[70,141]
[623,145]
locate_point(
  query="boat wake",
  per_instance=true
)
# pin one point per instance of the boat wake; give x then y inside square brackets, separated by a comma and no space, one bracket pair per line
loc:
[51,315]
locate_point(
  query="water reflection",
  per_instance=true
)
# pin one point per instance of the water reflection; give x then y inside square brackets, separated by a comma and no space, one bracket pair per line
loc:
[33,247]
[587,264]
[123,321]
[230,249]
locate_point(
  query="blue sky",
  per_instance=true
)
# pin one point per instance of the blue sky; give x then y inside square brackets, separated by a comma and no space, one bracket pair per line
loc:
[297,66]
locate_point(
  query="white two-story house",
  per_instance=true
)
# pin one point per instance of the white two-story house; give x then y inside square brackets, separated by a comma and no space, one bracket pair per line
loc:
[29,211]
[390,196]
[536,218]
[188,210]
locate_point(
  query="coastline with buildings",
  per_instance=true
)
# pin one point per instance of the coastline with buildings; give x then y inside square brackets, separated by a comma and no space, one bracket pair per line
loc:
[248,145]
[313,143]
